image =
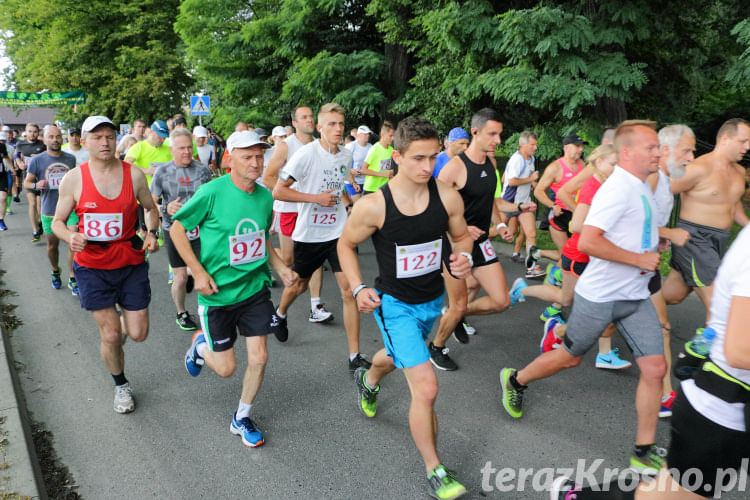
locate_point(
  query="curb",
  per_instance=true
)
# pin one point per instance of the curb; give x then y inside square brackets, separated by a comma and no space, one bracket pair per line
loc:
[23,475]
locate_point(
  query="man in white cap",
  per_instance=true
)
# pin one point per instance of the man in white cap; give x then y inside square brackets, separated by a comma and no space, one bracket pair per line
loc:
[233,215]
[359,149]
[278,134]
[206,152]
[109,262]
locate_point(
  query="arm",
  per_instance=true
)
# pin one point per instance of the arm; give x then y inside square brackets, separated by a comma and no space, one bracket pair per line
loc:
[151,213]
[548,177]
[450,173]
[594,243]
[375,173]
[676,235]
[693,174]
[30,182]
[740,217]
[204,283]
[283,192]
[277,264]
[737,340]
[567,192]
[518,181]
[579,215]
[66,202]
[507,206]
[460,267]
[275,164]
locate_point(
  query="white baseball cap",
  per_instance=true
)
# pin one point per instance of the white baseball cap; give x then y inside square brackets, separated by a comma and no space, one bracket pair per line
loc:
[94,121]
[245,139]
[279,131]
[6,128]
[200,131]
[364,129]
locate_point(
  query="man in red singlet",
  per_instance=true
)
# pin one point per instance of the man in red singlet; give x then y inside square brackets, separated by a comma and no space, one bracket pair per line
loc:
[109,262]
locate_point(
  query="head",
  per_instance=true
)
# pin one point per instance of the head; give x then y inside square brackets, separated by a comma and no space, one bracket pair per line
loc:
[278,134]
[637,146]
[246,152]
[348,139]
[603,160]
[387,131]
[527,143]
[240,127]
[303,120]
[170,124]
[362,133]
[573,147]
[139,129]
[416,145]
[262,134]
[331,124]
[32,132]
[99,138]
[157,133]
[457,141]
[608,137]
[125,143]
[200,135]
[74,136]
[179,122]
[677,144]
[181,146]
[733,138]
[52,138]
[486,127]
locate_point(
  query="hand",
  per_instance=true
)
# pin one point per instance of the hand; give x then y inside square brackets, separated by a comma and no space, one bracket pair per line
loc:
[288,277]
[367,300]
[78,242]
[648,261]
[356,187]
[356,171]
[205,284]
[557,210]
[150,244]
[663,244]
[460,267]
[534,176]
[42,184]
[174,206]
[678,236]
[529,206]
[475,232]
[326,199]
[150,171]
[506,234]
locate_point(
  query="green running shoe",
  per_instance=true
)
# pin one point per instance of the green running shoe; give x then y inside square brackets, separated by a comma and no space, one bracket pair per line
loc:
[549,312]
[512,397]
[443,485]
[651,463]
[368,398]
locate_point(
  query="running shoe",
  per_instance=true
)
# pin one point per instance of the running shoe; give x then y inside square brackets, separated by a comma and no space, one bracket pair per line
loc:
[9,211]
[650,463]
[563,488]
[532,255]
[442,484]
[245,427]
[3,227]
[612,361]
[535,272]
[278,328]
[185,322]
[470,330]
[73,286]
[17,199]
[56,280]
[368,398]
[550,340]
[36,237]
[189,284]
[516,257]
[124,402]
[549,312]
[359,361]
[460,333]
[554,275]
[441,360]
[512,397]
[666,405]
[515,291]
[320,314]
[193,361]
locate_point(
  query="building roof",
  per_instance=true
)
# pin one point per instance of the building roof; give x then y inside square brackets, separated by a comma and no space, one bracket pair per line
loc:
[40,116]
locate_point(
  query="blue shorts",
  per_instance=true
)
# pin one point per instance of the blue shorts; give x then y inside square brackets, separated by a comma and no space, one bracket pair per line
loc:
[103,288]
[352,192]
[405,327]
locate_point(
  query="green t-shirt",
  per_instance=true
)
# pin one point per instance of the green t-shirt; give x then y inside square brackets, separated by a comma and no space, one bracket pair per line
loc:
[231,223]
[379,160]
[144,154]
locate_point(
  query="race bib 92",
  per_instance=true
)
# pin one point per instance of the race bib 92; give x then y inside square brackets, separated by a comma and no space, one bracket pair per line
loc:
[246,248]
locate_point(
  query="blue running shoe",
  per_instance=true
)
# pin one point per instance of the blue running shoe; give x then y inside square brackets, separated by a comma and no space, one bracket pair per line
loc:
[550,340]
[550,312]
[56,280]
[515,291]
[251,436]
[3,227]
[193,361]
[611,361]
[554,275]
[73,285]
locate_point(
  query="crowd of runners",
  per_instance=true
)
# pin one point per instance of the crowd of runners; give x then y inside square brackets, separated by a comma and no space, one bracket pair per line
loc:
[431,208]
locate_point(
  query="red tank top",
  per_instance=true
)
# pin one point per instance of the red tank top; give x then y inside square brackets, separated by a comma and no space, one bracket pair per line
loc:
[585,196]
[567,174]
[109,225]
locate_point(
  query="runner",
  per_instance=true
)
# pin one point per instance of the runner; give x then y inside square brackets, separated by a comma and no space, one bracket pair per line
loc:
[44,174]
[710,191]
[176,182]
[25,150]
[360,149]
[109,263]
[407,219]
[621,237]
[74,146]
[320,170]
[378,166]
[233,285]
[153,150]
[139,129]
[206,152]
[5,170]
[458,141]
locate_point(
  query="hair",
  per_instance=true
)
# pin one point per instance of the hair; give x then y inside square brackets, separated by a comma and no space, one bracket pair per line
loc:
[671,135]
[125,139]
[179,132]
[599,153]
[526,136]
[32,125]
[294,111]
[44,130]
[139,120]
[413,129]
[178,116]
[624,131]
[484,115]
[730,127]
[331,107]
[387,126]
[608,137]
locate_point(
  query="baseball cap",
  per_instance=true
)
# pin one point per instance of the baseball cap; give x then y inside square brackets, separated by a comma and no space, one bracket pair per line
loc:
[160,127]
[245,139]
[179,121]
[6,128]
[200,131]
[573,139]
[457,134]
[74,130]
[93,122]
[279,131]
[364,129]
[261,132]
[3,136]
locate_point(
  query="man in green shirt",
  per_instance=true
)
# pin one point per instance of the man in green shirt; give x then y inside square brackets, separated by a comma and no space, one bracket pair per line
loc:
[153,150]
[232,277]
[378,166]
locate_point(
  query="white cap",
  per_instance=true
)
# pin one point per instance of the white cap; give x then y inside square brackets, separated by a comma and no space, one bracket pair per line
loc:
[364,129]
[279,131]
[3,136]
[6,128]
[200,131]
[94,121]
[245,139]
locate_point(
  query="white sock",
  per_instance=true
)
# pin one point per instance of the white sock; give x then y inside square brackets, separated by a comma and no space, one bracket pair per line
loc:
[314,302]
[282,316]
[202,348]
[243,410]
[352,356]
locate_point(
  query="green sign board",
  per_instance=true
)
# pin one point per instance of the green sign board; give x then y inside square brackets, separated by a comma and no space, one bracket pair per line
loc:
[42,98]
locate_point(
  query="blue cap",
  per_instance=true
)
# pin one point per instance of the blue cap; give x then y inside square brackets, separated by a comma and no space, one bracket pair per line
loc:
[457,134]
[160,128]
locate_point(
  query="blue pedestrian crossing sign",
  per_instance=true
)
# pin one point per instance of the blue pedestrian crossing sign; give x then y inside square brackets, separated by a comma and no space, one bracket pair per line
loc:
[200,105]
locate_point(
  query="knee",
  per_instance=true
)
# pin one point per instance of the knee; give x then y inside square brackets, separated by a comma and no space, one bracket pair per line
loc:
[666,329]
[457,308]
[501,303]
[654,370]
[138,334]
[111,336]
[426,391]
[572,361]
[257,358]
[225,370]
[566,301]
[300,286]
[180,280]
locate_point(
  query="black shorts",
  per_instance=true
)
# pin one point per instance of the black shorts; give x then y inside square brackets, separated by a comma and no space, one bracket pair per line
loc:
[698,261]
[703,445]
[308,257]
[562,222]
[483,253]
[654,284]
[173,255]
[103,288]
[4,181]
[251,318]
[572,266]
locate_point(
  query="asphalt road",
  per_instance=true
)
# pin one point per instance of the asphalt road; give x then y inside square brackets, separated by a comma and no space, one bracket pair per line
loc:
[177,443]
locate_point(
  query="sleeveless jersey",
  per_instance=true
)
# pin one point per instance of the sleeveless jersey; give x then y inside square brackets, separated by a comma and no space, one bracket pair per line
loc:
[109,225]
[408,249]
[567,174]
[478,193]
[585,196]
[293,145]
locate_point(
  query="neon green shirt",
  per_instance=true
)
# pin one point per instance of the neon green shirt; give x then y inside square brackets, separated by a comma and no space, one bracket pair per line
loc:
[378,160]
[144,154]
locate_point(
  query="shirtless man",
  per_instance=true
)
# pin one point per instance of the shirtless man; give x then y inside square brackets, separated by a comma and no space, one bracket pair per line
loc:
[710,190]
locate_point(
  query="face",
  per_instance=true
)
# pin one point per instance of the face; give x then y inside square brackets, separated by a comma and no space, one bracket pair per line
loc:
[139,128]
[740,143]
[53,139]
[201,141]
[458,146]
[683,154]
[32,133]
[418,161]
[74,139]
[573,151]
[362,139]
[528,149]
[386,136]
[182,150]
[488,137]
[247,163]
[101,143]
[304,121]
[607,164]
[331,128]
[644,153]
[155,139]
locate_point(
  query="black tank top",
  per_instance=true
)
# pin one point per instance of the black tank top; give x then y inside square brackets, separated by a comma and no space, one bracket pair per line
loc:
[478,193]
[408,250]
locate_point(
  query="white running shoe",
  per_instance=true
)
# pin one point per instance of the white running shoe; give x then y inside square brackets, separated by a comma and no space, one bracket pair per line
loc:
[320,314]
[124,402]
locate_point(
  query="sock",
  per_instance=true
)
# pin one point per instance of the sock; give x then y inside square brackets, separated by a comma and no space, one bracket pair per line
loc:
[8,201]
[514,382]
[314,302]
[243,410]
[352,356]
[120,379]
[282,316]
[516,254]
[642,449]
[202,349]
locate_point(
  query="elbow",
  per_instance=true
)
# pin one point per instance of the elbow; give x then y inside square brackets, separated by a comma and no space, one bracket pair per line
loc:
[737,358]
[585,245]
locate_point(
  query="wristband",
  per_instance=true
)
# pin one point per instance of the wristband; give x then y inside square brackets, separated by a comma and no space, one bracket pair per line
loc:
[155,232]
[358,289]
[501,225]
[519,208]
[35,185]
[468,257]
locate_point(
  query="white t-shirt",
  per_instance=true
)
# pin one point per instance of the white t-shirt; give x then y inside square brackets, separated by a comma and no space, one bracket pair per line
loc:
[81,155]
[359,153]
[206,154]
[518,167]
[316,170]
[664,200]
[732,280]
[624,208]
[293,145]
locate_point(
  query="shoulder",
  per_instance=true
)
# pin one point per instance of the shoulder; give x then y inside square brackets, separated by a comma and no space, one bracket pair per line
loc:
[449,197]
[702,164]
[370,208]
[69,157]
[553,167]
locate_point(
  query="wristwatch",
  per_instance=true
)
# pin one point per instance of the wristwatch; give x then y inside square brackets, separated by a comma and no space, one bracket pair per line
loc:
[155,232]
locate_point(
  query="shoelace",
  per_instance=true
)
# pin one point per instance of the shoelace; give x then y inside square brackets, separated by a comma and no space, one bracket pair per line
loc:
[445,350]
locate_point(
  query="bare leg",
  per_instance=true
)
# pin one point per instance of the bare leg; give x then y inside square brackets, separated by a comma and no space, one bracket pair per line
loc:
[661,310]
[546,365]
[351,314]
[53,251]
[382,365]
[605,341]
[492,279]
[558,237]
[674,290]
[178,288]
[257,357]
[457,299]
[705,293]
[423,386]
[648,397]
[316,283]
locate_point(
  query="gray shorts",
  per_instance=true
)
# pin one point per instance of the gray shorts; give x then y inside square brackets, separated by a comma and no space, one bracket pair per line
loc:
[698,261]
[636,320]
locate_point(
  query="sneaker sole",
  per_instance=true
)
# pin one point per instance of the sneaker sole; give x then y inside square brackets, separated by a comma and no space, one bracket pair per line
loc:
[327,320]
[442,368]
[122,410]
[185,329]
[238,432]
[665,414]
[605,366]
[452,497]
